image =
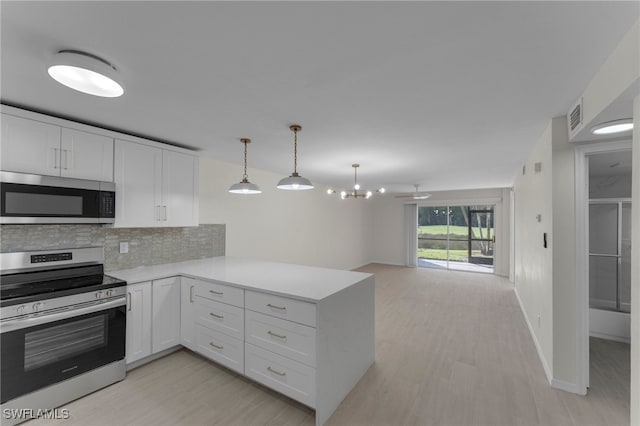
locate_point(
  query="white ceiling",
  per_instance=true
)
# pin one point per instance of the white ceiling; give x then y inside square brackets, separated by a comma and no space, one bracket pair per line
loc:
[449,95]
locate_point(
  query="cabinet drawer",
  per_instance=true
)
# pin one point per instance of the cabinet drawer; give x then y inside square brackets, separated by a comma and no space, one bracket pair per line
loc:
[220,348]
[282,307]
[285,338]
[218,292]
[296,380]
[221,317]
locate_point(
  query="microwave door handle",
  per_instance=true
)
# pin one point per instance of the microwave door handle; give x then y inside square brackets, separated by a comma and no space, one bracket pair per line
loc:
[20,323]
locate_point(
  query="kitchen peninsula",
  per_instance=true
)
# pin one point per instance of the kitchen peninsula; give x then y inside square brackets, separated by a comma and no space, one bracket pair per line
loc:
[305,332]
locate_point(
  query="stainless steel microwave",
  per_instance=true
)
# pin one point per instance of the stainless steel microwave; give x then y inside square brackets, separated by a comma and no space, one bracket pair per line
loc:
[26,198]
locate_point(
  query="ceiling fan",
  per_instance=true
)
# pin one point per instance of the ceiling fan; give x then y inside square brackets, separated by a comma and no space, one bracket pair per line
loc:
[416,195]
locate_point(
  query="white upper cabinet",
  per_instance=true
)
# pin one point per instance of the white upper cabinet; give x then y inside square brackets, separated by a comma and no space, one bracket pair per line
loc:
[86,155]
[180,189]
[155,187]
[30,146]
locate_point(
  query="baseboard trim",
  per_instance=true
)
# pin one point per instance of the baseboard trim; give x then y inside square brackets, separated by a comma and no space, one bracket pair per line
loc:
[153,357]
[568,387]
[610,337]
[545,366]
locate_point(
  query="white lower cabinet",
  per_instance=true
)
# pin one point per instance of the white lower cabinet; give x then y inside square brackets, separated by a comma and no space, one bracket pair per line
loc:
[153,317]
[138,321]
[187,315]
[286,338]
[166,313]
[220,348]
[296,380]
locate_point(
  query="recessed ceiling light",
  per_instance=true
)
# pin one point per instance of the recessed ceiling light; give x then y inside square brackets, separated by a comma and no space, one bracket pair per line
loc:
[615,126]
[86,73]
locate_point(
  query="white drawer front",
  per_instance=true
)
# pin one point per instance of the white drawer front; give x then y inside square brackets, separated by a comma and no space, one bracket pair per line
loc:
[218,292]
[220,348]
[221,317]
[282,307]
[285,338]
[296,380]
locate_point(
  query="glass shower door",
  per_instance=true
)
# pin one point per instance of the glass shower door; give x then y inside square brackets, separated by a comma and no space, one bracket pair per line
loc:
[625,259]
[610,255]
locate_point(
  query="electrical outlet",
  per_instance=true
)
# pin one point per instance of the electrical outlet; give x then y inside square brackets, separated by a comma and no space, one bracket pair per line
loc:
[124,247]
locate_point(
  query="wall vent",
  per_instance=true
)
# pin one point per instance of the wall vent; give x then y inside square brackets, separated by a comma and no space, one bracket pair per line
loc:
[574,119]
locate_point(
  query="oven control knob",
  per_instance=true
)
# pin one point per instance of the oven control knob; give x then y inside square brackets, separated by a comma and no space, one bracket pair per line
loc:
[36,306]
[20,310]
[99,295]
[109,293]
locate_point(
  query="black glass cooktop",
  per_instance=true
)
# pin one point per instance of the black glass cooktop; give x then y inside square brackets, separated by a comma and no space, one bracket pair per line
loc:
[28,286]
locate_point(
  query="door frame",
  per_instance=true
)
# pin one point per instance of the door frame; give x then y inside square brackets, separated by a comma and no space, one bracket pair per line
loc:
[581,153]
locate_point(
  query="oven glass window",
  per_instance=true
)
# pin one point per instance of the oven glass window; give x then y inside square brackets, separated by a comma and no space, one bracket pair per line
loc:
[64,341]
[42,204]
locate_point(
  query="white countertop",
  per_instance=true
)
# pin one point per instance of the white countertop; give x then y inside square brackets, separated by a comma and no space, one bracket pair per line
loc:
[301,282]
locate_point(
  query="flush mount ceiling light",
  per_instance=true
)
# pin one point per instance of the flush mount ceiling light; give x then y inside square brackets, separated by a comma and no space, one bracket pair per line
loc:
[356,187]
[86,73]
[295,182]
[611,127]
[244,186]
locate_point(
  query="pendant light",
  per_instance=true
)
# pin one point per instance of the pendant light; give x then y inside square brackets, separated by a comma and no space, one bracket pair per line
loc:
[244,186]
[295,182]
[356,187]
[86,73]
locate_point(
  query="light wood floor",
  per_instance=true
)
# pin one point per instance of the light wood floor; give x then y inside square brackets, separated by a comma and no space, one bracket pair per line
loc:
[452,348]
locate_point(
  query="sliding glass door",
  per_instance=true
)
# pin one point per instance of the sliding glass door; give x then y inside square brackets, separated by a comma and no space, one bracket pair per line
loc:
[456,237]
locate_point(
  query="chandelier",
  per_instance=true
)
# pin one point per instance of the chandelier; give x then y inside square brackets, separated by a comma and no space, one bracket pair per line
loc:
[356,188]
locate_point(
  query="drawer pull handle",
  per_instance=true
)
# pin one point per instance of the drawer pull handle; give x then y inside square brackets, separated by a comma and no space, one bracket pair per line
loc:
[216,346]
[276,372]
[216,315]
[276,335]
[282,308]
[217,293]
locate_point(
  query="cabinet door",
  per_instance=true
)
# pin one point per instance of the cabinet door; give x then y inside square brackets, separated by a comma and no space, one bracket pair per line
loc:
[86,155]
[187,314]
[138,176]
[30,146]
[166,313]
[180,189]
[138,321]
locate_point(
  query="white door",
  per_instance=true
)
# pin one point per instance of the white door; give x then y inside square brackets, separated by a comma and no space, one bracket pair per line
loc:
[30,146]
[166,313]
[86,155]
[138,321]
[138,179]
[180,189]
[187,314]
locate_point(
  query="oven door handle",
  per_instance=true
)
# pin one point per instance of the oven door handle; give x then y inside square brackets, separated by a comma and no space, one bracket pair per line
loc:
[30,321]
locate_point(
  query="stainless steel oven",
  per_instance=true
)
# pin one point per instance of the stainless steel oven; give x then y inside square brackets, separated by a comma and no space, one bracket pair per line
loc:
[26,198]
[62,328]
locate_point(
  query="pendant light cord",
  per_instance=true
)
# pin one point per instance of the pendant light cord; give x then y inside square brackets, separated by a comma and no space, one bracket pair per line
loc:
[295,152]
[245,177]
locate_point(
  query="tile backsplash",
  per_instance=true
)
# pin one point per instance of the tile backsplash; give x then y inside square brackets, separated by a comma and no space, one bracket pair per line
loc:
[147,246]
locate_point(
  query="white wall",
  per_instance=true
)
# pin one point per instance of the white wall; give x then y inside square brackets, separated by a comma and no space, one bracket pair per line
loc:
[305,227]
[565,306]
[388,245]
[533,262]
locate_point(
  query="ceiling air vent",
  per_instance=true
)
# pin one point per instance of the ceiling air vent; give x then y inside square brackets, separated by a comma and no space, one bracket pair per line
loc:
[574,119]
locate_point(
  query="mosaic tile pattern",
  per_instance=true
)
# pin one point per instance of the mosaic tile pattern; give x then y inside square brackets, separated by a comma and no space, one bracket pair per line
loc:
[147,246]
